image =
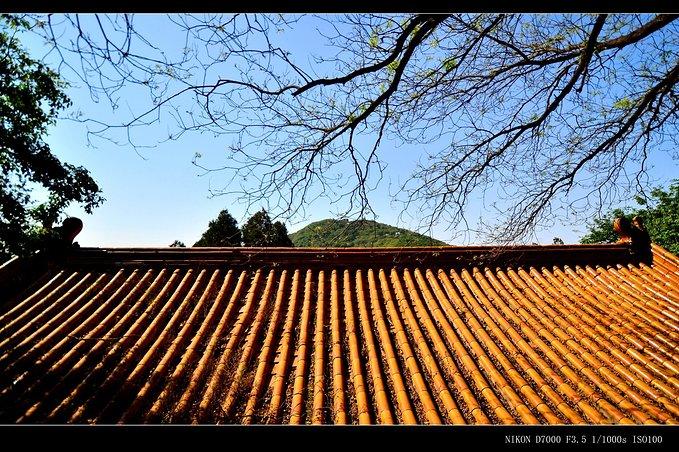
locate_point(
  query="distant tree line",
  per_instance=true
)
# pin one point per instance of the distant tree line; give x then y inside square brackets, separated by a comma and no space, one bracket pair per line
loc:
[259,230]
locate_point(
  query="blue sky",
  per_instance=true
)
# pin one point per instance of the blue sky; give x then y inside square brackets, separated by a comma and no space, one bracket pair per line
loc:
[157,195]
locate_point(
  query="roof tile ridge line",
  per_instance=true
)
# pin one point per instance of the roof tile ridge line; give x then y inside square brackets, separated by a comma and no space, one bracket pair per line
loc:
[7,266]
[355,250]
[39,255]
[322,256]
[14,265]
[302,248]
[8,270]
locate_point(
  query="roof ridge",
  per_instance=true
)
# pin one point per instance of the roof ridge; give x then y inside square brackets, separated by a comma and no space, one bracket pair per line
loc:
[450,255]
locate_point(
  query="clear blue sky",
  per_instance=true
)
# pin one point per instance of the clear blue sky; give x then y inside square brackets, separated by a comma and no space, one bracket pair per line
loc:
[157,195]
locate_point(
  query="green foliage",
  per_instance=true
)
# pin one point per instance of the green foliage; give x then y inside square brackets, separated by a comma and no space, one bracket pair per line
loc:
[222,231]
[31,97]
[374,40]
[623,104]
[601,229]
[177,244]
[260,231]
[360,233]
[660,216]
[449,64]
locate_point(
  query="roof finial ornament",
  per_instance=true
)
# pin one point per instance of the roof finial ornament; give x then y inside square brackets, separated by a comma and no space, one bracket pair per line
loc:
[623,227]
[634,232]
[70,228]
[61,240]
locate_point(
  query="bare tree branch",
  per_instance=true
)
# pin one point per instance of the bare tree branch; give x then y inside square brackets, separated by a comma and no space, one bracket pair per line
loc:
[541,115]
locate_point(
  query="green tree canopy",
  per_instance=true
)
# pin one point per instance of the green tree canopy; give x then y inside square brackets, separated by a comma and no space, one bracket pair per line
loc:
[660,216]
[359,233]
[177,244]
[222,231]
[31,96]
[261,231]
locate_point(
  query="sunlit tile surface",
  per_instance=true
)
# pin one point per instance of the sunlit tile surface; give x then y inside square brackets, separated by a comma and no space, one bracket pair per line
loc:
[359,337]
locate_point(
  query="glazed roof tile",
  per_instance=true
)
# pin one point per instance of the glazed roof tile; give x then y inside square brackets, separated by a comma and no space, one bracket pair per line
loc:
[530,335]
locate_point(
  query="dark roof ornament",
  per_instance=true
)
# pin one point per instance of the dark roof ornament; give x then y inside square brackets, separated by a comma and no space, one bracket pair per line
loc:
[623,227]
[61,241]
[634,232]
[70,228]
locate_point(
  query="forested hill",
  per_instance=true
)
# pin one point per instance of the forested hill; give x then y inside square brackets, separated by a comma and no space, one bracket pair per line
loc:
[359,233]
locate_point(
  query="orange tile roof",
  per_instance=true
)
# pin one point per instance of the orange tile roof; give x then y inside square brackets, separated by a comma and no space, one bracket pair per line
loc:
[536,334]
